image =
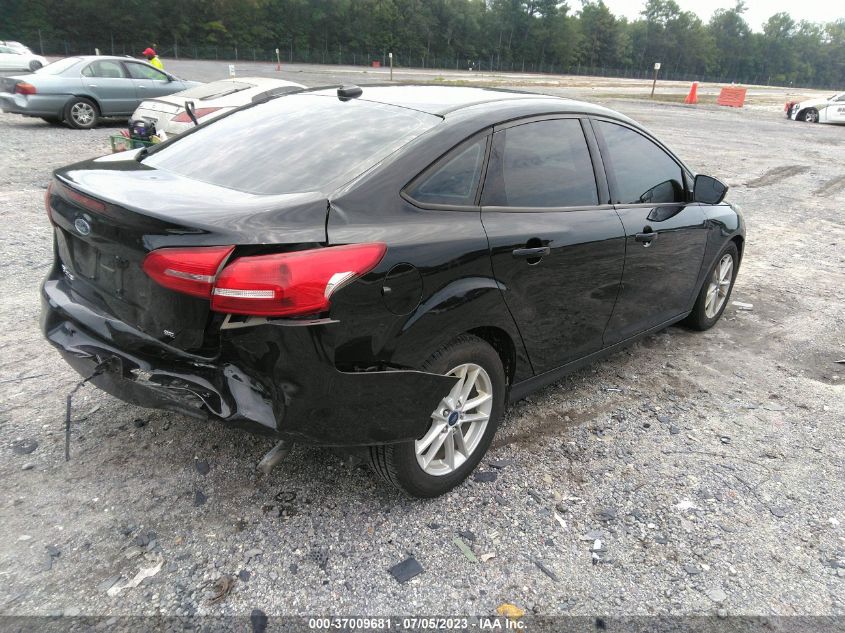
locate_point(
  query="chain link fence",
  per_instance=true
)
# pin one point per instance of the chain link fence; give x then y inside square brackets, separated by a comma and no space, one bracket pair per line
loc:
[401,59]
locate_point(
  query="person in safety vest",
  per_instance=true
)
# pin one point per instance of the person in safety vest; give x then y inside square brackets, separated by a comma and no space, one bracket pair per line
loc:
[151,56]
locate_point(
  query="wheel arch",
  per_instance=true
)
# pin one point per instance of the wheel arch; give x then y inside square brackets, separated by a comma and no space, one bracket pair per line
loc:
[739,240]
[472,305]
[504,345]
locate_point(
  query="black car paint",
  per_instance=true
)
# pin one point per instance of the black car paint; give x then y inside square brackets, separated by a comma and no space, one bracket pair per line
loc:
[349,377]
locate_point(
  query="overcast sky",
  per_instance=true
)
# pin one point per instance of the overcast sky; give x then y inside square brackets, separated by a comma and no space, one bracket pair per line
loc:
[758,10]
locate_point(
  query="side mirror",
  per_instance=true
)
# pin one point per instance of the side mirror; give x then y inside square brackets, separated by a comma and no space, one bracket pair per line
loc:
[708,190]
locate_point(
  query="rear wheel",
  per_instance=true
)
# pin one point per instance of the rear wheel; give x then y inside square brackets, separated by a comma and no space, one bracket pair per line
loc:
[81,113]
[811,115]
[35,65]
[714,295]
[460,428]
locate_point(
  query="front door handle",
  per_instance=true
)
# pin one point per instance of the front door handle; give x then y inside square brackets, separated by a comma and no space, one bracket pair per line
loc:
[530,253]
[646,238]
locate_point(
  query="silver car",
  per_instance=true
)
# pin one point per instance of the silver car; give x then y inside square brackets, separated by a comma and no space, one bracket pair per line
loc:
[81,90]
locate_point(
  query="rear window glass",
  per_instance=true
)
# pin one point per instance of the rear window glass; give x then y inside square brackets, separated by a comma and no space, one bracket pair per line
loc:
[292,144]
[215,89]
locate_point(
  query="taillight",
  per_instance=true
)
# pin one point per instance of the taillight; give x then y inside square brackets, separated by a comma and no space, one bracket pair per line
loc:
[24,88]
[191,271]
[86,202]
[288,284]
[183,117]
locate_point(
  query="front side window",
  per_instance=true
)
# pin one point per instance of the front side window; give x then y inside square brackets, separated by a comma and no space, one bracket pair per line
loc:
[105,69]
[141,71]
[540,164]
[639,171]
[454,179]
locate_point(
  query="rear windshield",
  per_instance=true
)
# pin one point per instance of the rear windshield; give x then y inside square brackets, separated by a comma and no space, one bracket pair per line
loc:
[292,144]
[215,89]
[58,67]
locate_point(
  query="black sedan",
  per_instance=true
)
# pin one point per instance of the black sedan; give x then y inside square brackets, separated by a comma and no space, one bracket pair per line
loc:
[384,268]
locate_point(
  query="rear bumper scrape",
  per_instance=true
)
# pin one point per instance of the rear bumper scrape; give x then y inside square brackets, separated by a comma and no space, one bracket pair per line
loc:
[299,397]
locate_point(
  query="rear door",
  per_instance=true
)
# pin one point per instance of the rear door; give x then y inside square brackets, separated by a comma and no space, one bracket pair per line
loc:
[107,81]
[665,233]
[557,251]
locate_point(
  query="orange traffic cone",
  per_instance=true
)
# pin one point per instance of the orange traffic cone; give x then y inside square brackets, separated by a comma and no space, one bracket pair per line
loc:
[692,97]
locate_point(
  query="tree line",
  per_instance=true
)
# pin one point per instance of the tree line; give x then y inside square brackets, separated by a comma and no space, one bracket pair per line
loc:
[532,35]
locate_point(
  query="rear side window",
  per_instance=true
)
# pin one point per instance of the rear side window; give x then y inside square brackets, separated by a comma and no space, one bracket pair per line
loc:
[454,179]
[639,170]
[292,144]
[541,164]
[105,69]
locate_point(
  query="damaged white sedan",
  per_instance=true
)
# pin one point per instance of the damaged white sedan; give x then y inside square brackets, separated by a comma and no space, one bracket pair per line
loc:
[830,110]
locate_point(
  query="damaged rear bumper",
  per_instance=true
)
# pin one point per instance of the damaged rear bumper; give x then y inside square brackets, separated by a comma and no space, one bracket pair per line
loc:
[270,379]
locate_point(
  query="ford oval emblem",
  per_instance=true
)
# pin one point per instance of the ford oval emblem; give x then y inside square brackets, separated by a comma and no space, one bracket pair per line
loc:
[82,227]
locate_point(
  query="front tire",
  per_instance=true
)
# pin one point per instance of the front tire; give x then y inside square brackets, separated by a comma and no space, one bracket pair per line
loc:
[461,427]
[81,113]
[716,291]
[810,115]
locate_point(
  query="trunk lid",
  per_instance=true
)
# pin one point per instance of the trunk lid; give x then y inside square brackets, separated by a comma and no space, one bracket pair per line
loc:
[110,213]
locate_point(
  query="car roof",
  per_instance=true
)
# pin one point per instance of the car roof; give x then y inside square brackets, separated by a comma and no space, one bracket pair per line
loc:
[443,100]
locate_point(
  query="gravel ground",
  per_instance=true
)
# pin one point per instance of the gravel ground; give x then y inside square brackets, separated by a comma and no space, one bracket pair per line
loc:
[692,474]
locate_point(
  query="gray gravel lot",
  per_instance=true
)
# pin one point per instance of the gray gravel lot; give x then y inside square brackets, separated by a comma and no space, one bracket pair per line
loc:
[691,473]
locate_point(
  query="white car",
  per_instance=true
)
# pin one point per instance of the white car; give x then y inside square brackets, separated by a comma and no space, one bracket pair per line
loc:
[19,58]
[830,110]
[211,100]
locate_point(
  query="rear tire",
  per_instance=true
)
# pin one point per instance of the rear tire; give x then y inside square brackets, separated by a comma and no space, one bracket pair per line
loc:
[716,291]
[400,464]
[81,113]
[35,65]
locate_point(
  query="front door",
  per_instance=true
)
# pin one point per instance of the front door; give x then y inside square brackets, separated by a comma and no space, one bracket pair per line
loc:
[556,251]
[665,235]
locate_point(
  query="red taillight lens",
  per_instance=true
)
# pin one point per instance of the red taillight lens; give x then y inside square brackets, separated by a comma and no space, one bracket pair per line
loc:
[188,270]
[24,88]
[288,284]
[87,202]
[183,117]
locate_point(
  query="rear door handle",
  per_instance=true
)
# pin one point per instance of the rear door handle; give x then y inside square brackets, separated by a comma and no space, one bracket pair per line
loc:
[646,238]
[532,252]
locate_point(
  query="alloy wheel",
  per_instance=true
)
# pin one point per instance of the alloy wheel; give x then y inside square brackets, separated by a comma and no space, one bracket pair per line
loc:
[458,423]
[720,285]
[82,113]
